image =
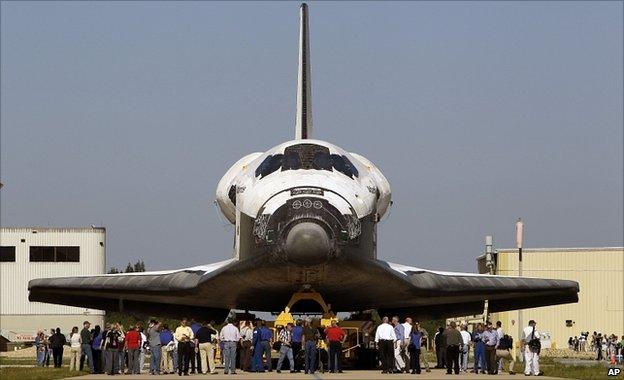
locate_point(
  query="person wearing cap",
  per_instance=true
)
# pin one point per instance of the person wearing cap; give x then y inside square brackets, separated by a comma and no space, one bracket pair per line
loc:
[530,343]
[490,338]
[335,337]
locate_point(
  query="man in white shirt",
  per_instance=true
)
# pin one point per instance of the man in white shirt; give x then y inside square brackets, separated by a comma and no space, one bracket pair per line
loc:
[407,330]
[501,333]
[531,350]
[386,339]
[230,336]
[463,353]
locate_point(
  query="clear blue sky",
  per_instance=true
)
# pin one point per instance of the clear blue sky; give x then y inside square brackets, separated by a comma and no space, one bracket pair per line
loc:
[128,114]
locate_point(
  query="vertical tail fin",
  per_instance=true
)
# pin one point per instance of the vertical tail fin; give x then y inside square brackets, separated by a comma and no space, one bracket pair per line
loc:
[303,119]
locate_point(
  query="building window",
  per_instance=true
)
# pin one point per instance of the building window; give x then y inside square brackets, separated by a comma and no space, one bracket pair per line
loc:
[55,254]
[7,254]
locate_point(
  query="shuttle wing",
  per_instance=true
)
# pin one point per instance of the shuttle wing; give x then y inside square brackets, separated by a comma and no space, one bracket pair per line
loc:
[263,284]
[175,292]
[443,294]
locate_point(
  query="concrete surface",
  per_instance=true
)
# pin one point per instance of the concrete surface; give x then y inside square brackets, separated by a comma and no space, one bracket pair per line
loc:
[434,374]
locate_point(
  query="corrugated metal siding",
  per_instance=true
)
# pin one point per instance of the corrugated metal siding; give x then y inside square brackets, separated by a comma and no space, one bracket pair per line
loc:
[14,276]
[600,274]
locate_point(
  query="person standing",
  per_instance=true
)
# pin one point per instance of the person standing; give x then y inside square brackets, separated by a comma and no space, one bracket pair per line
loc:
[424,363]
[57,341]
[454,341]
[399,331]
[40,347]
[256,346]
[490,338]
[297,337]
[500,332]
[168,344]
[335,338]
[246,333]
[440,347]
[503,352]
[133,348]
[49,351]
[465,348]
[310,340]
[104,351]
[74,349]
[479,350]
[265,340]
[414,349]
[385,337]
[153,338]
[285,338]
[531,345]
[598,346]
[203,340]
[405,347]
[143,350]
[121,357]
[195,360]
[112,342]
[85,352]
[230,336]
[96,349]
[183,335]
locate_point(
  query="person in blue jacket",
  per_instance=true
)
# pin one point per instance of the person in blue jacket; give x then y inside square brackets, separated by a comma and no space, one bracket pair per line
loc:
[416,337]
[256,346]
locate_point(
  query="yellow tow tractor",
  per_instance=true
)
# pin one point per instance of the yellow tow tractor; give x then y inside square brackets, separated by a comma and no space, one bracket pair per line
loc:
[353,329]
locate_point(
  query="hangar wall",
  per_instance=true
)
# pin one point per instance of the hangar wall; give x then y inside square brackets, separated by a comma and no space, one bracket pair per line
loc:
[600,274]
[36,252]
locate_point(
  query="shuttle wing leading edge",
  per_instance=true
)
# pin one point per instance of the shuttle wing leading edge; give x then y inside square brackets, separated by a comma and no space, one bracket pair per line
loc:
[347,284]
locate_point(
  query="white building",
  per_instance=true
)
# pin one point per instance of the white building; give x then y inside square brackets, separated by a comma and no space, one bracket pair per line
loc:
[33,252]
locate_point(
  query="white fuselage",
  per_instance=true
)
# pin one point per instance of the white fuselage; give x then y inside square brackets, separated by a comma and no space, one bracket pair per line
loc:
[314,178]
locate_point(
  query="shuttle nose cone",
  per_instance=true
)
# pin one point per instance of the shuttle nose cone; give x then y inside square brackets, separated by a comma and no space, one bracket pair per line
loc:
[307,243]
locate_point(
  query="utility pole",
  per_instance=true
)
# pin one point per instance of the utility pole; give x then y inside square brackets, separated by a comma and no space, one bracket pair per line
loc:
[519,243]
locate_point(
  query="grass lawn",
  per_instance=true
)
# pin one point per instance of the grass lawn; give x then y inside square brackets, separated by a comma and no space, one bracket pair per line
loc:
[554,369]
[23,361]
[37,373]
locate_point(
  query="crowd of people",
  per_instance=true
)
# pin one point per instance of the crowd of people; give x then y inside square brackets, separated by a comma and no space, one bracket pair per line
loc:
[191,347]
[401,344]
[606,347]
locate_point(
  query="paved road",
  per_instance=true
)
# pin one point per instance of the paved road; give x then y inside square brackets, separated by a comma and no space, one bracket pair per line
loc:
[434,374]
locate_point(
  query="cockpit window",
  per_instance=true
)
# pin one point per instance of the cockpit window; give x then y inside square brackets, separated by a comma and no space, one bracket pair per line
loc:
[306,156]
[291,161]
[269,165]
[322,161]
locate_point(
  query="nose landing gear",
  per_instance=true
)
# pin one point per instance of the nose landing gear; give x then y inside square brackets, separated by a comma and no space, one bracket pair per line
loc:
[286,317]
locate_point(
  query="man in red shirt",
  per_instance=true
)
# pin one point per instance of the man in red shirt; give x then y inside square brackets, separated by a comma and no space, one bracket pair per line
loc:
[133,346]
[335,337]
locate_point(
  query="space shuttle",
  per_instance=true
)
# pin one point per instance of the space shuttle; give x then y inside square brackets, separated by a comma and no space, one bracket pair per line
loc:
[305,214]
